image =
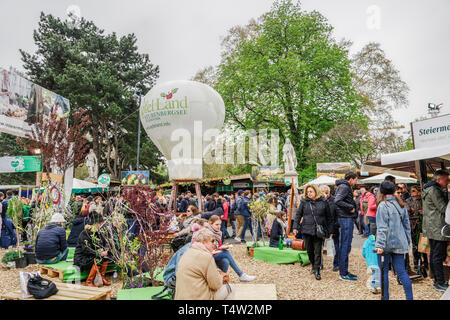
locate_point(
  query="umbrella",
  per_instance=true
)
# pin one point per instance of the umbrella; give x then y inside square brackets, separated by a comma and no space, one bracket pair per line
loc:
[324,179]
[380,178]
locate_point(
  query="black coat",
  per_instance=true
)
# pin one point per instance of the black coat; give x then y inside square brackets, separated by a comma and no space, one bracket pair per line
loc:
[322,215]
[218,212]
[275,233]
[343,200]
[77,227]
[86,250]
[211,205]
[184,204]
[334,216]
[50,242]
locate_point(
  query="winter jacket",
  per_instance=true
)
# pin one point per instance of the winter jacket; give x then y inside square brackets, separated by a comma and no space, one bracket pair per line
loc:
[371,205]
[170,271]
[435,201]
[276,232]
[184,204]
[393,228]
[87,249]
[244,208]
[343,200]
[186,225]
[368,254]
[334,216]
[236,204]
[447,214]
[322,215]
[217,211]
[8,235]
[212,204]
[77,227]
[50,241]
[226,207]
[5,205]
[197,276]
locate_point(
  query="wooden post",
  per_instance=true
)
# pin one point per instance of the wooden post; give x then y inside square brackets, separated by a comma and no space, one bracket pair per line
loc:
[288,231]
[199,196]
[173,197]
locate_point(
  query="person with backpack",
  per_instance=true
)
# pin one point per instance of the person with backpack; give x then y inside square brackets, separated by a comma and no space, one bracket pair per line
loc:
[8,234]
[393,237]
[346,212]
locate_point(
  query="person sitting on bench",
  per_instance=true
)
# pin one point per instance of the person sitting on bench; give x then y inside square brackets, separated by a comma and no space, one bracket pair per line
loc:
[89,252]
[51,244]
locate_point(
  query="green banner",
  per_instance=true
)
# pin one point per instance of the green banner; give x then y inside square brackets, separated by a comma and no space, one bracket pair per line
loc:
[20,164]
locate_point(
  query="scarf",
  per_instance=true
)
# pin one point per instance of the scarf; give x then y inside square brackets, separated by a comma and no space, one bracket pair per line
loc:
[283,226]
[217,235]
[200,246]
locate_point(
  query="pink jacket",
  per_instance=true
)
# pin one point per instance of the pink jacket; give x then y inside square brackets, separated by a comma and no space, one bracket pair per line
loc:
[372,205]
[226,206]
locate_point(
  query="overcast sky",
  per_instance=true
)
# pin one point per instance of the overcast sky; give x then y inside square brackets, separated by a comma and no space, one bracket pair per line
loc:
[182,36]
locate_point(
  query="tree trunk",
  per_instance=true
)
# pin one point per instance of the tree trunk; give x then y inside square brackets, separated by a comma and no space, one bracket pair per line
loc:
[116,148]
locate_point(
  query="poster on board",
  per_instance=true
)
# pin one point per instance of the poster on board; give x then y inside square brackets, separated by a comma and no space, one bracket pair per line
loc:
[22,102]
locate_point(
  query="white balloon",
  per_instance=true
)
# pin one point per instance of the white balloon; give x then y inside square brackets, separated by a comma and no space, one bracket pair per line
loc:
[175,115]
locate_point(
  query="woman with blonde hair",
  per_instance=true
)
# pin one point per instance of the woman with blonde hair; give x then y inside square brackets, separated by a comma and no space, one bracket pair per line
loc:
[314,213]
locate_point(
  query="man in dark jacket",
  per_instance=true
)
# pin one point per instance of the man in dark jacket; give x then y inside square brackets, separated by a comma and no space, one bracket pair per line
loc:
[435,200]
[346,212]
[9,195]
[184,204]
[8,233]
[212,203]
[51,244]
[330,199]
[78,225]
[245,212]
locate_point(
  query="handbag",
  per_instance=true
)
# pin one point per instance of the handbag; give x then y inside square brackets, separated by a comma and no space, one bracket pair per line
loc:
[320,230]
[41,288]
[424,244]
[298,244]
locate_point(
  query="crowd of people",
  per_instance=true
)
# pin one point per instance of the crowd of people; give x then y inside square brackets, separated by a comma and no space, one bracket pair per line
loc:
[393,218]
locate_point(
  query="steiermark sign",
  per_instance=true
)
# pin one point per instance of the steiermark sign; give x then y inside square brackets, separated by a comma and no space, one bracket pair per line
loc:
[104,180]
[20,164]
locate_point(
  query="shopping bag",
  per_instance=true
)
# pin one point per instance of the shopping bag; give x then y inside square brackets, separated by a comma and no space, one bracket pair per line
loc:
[424,244]
[329,245]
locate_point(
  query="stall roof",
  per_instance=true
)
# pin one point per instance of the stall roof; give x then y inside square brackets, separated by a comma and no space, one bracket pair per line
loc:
[440,152]
[380,178]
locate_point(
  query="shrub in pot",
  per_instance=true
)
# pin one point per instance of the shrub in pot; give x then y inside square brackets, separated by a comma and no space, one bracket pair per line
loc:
[10,257]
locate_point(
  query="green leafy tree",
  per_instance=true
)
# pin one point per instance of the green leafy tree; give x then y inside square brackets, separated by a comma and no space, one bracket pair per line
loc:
[101,73]
[287,72]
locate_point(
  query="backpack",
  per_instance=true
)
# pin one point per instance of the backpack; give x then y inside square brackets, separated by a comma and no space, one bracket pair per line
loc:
[41,288]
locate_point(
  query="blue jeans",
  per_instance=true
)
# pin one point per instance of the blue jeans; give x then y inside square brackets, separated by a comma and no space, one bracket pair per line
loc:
[247,224]
[345,241]
[224,259]
[336,247]
[376,277]
[373,225]
[60,257]
[398,262]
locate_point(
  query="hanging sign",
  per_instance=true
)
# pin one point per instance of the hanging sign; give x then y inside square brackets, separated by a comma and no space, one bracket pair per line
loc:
[104,180]
[20,164]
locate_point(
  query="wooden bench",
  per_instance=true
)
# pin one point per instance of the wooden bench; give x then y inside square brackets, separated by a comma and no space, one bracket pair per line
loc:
[68,292]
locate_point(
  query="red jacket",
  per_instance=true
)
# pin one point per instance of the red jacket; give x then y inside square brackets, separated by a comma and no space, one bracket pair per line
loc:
[226,206]
[372,205]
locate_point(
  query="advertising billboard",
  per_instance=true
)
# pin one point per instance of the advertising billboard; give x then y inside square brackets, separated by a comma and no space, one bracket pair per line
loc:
[134,178]
[22,102]
[267,174]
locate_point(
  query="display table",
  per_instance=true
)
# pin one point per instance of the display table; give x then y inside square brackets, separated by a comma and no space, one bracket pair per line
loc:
[277,256]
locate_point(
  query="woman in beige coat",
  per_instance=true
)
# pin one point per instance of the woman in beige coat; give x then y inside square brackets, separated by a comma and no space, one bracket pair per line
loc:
[198,277]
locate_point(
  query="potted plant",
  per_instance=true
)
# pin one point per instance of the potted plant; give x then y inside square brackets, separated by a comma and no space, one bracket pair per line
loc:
[10,258]
[29,253]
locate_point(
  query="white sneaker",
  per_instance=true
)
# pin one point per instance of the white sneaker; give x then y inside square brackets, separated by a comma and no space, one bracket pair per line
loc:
[237,239]
[246,278]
